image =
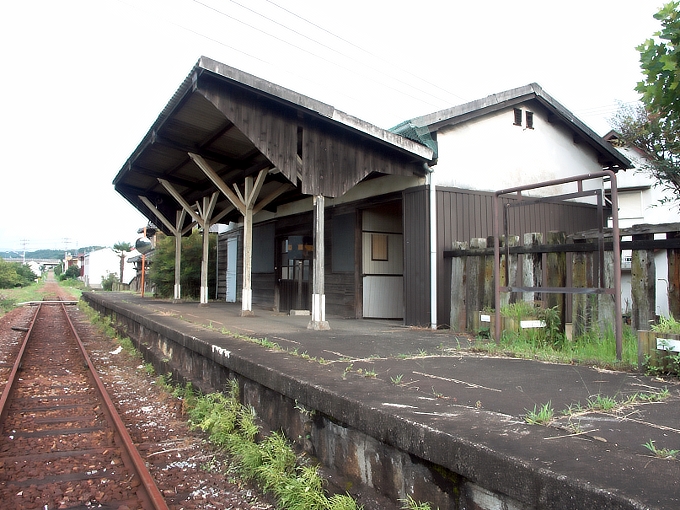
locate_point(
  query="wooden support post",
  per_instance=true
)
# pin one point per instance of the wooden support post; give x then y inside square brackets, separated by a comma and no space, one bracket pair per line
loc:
[177,232]
[457,318]
[532,268]
[177,291]
[204,258]
[318,320]
[643,285]
[247,291]
[556,273]
[673,277]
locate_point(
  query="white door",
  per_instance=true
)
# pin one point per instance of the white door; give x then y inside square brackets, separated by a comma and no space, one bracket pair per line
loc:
[231,270]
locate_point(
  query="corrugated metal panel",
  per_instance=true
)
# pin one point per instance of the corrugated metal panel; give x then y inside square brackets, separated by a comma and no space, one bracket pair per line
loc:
[416,257]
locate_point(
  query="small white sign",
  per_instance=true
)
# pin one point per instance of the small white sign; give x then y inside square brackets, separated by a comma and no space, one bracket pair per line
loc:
[531,324]
[667,344]
[484,318]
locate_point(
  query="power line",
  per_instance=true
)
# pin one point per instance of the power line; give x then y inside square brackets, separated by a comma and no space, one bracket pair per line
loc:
[313,54]
[373,55]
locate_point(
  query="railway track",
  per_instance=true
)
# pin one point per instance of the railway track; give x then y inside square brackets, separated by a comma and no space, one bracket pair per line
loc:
[62,444]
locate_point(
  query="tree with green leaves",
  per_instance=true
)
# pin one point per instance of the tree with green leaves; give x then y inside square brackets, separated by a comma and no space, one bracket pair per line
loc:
[121,248]
[653,126]
[14,274]
[162,267]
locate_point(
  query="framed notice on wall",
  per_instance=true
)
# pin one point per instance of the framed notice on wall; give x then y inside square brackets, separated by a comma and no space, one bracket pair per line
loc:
[378,246]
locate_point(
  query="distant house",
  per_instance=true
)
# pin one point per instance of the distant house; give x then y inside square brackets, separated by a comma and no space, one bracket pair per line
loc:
[640,203]
[98,264]
[344,215]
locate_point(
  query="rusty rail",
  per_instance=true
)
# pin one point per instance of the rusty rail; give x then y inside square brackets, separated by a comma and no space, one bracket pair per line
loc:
[149,494]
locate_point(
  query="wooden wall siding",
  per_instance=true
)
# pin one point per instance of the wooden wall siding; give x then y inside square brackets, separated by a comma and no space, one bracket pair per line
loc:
[334,161]
[269,126]
[394,265]
[263,289]
[463,215]
[417,257]
[384,218]
[339,287]
[340,297]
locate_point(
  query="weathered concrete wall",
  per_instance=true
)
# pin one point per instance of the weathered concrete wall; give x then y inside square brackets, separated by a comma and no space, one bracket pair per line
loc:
[368,445]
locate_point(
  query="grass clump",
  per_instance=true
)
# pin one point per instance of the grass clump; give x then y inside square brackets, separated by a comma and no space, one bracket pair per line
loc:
[271,462]
[408,503]
[668,325]
[542,415]
[589,349]
[661,453]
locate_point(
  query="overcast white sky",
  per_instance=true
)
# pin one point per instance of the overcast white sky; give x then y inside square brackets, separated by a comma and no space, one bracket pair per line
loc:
[83,80]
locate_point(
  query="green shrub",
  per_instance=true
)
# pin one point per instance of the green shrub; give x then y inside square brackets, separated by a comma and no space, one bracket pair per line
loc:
[667,325]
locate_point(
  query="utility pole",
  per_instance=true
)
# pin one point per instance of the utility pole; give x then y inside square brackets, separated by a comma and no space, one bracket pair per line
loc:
[24,242]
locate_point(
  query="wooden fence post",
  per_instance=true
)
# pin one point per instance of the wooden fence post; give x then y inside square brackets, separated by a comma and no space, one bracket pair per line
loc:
[673,277]
[606,305]
[556,273]
[507,297]
[457,319]
[532,268]
[488,300]
[582,276]
[643,285]
[474,278]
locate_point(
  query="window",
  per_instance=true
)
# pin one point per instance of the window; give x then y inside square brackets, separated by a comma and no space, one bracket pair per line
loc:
[378,246]
[530,120]
[518,117]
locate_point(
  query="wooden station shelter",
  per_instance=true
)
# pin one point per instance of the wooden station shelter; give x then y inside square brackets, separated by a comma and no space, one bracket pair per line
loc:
[230,147]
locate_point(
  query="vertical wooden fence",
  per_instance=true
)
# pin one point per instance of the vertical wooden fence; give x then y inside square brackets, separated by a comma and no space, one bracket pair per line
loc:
[559,262]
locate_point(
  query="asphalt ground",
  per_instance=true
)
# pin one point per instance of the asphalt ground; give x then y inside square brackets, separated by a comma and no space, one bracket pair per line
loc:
[423,372]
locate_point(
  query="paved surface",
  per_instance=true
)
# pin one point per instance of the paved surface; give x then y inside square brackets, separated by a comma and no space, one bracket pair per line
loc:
[434,371]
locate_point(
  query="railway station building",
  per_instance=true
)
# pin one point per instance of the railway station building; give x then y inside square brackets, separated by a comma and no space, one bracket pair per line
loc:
[332,215]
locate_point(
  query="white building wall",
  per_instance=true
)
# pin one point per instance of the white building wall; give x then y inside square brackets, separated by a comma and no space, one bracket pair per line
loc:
[98,264]
[491,153]
[640,203]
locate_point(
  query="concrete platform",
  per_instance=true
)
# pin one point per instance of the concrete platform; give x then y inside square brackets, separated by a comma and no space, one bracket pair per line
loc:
[425,394]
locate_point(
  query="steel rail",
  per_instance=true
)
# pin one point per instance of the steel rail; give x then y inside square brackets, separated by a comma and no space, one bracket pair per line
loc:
[9,387]
[154,498]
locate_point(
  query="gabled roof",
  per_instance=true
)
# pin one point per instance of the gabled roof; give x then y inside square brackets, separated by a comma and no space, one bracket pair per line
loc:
[608,156]
[242,125]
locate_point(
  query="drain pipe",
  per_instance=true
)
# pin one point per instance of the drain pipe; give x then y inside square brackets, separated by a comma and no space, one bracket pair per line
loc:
[433,245]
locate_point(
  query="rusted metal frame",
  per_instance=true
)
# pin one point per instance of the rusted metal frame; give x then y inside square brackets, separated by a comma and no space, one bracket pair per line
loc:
[9,387]
[152,495]
[522,202]
[616,245]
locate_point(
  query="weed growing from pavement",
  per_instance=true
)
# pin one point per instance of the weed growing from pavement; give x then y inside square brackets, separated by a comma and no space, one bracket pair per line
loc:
[661,453]
[612,405]
[396,380]
[542,415]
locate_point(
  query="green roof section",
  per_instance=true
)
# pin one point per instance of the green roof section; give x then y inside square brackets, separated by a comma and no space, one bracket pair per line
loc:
[420,134]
